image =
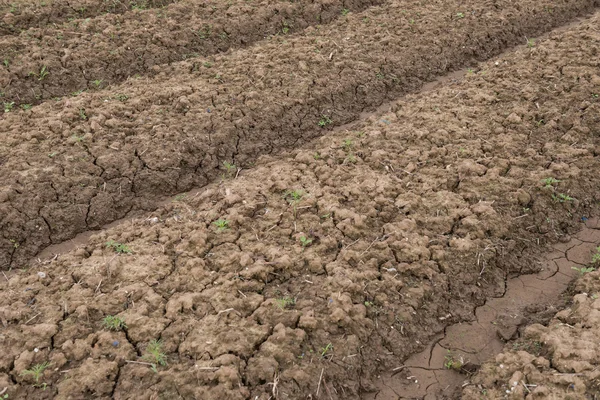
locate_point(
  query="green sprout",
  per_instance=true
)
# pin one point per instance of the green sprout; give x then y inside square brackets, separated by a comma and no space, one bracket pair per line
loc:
[229,168]
[324,121]
[347,145]
[451,363]
[221,224]
[155,354]
[326,350]
[460,15]
[561,198]
[305,241]
[9,106]
[43,73]
[345,11]
[118,247]
[37,371]
[584,270]
[596,256]
[114,323]
[548,182]
[284,302]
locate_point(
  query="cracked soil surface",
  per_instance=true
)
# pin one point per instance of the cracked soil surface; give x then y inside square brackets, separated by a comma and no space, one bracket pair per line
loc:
[321,248]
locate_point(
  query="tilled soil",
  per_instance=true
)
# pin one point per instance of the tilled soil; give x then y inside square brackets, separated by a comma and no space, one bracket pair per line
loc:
[81,162]
[309,273]
[18,15]
[86,54]
[442,369]
[558,360]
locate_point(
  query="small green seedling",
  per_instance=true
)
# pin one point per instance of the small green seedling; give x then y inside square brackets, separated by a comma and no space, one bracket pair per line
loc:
[530,43]
[326,350]
[229,168]
[118,247]
[285,302]
[460,15]
[155,354]
[9,106]
[43,73]
[584,270]
[345,12]
[305,241]
[347,145]
[451,363]
[293,198]
[121,97]
[548,182]
[324,121]
[561,198]
[114,323]
[37,371]
[369,304]
[97,82]
[26,107]
[596,256]
[221,224]
[82,114]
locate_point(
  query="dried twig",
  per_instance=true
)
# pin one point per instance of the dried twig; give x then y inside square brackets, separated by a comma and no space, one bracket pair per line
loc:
[320,378]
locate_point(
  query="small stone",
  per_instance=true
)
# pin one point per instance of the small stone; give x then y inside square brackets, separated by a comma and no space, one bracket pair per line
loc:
[153,220]
[42,275]
[115,343]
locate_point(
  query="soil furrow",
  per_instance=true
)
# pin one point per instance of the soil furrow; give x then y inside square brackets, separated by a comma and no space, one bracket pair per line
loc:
[50,63]
[19,15]
[115,151]
[266,294]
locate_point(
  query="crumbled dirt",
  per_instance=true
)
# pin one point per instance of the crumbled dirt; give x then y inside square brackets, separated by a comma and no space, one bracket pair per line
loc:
[79,163]
[308,273]
[18,15]
[443,368]
[91,54]
[558,360]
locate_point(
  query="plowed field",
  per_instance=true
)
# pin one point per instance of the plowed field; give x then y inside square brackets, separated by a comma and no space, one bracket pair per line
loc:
[303,211]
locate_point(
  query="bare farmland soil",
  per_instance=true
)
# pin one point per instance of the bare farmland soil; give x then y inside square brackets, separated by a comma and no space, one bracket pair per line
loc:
[86,54]
[81,162]
[310,272]
[18,15]
[558,360]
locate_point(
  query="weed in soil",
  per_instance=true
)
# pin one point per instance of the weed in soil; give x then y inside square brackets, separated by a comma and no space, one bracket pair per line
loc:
[119,248]
[221,224]
[36,372]
[114,323]
[155,354]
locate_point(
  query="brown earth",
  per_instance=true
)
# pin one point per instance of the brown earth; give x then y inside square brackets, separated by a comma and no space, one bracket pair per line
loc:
[443,368]
[333,262]
[18,15]
[79,163]
[558,360]
[91,54]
